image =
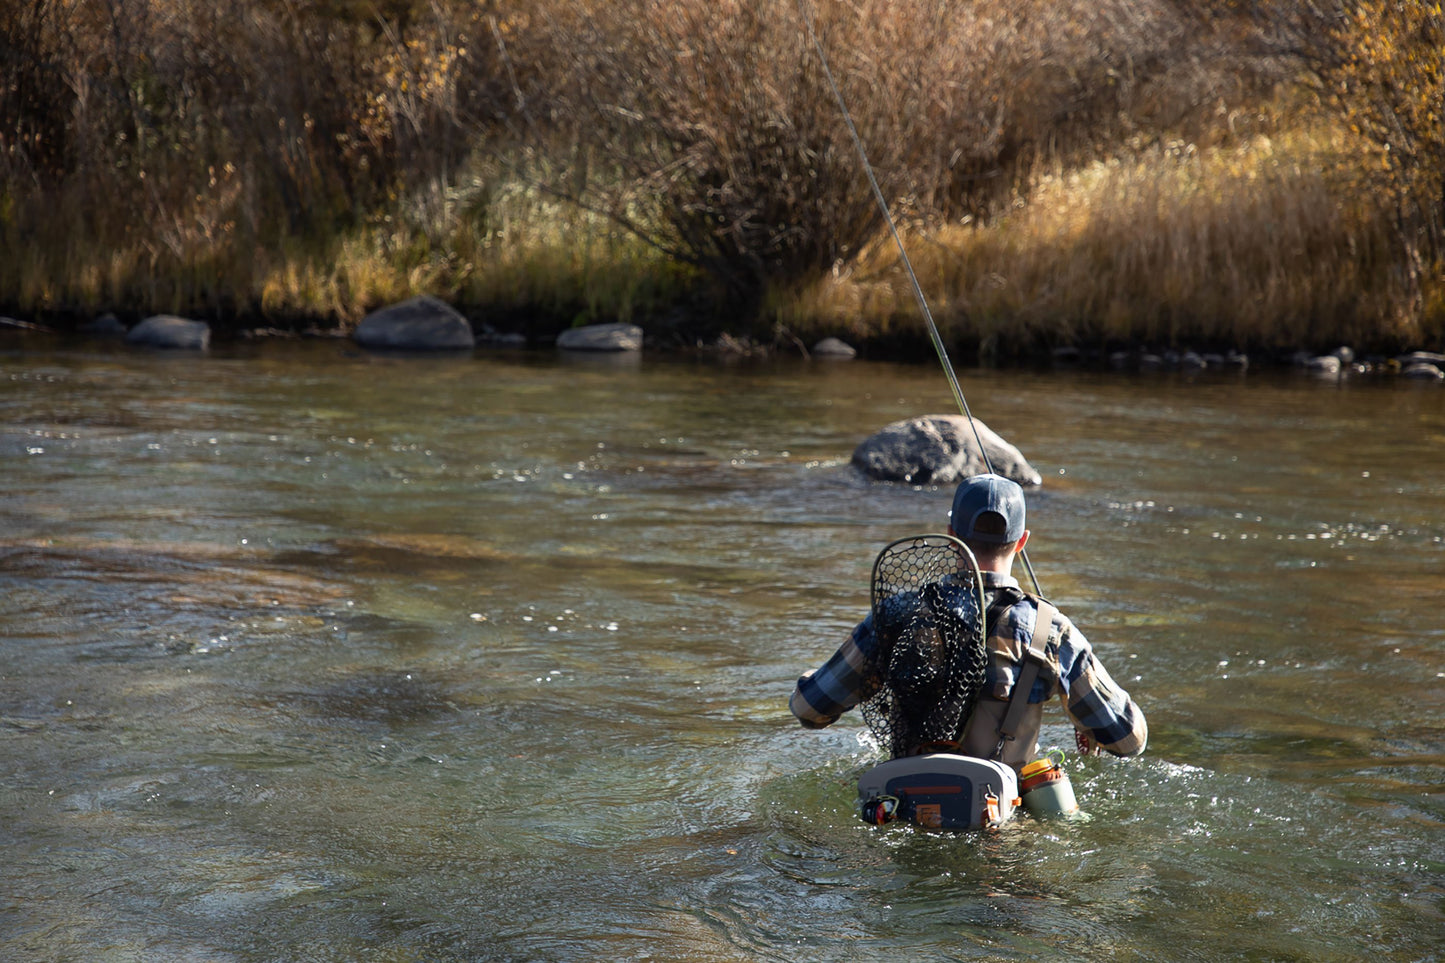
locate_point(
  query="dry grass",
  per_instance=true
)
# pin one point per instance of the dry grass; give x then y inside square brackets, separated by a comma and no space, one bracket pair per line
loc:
[528,254]
[1249,245]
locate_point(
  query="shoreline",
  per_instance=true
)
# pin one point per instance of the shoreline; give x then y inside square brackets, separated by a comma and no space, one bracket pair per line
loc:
[904,348]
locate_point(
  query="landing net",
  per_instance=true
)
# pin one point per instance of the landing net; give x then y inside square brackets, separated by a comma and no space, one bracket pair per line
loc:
[928,618]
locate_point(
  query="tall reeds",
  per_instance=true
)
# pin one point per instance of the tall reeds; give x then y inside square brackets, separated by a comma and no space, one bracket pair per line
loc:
[1178,245]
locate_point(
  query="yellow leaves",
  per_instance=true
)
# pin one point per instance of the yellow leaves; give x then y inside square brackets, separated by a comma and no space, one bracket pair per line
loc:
[1392,84]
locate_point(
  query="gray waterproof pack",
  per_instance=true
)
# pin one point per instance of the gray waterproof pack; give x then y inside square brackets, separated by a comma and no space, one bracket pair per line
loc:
[939,791]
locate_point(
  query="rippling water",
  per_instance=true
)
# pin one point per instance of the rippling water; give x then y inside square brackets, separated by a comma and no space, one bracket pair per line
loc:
[307,654]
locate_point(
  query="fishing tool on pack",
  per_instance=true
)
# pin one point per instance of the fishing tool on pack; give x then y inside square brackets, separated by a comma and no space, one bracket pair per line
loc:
[933,334]
[879,810]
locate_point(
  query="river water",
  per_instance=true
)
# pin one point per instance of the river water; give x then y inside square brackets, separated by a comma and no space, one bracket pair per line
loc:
[309,654]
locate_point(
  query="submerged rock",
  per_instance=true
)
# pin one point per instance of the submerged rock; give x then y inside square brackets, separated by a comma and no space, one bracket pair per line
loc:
[422,323]
[939,450]
[169,331]
[601,337]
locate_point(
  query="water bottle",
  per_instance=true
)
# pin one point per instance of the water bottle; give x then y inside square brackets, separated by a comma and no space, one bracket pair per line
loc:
[1045,787]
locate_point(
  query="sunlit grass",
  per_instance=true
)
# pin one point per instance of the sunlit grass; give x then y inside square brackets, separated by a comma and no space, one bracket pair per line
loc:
[1258,243]
[517,253]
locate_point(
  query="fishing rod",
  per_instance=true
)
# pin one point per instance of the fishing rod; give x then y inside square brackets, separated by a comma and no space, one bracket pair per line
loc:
[918,296]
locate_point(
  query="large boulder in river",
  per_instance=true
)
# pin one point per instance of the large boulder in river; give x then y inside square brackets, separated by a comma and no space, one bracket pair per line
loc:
[169,331]
[601,337]
[422,323]
[939,450]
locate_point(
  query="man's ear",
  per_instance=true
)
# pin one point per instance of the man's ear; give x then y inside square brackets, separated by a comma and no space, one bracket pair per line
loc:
[1022,540]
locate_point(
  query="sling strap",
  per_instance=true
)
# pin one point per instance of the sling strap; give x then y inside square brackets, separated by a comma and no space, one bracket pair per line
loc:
[1035,655]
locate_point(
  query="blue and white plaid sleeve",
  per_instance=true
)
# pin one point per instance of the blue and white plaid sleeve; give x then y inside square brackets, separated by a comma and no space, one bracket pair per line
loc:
[1095,702]
[845,680]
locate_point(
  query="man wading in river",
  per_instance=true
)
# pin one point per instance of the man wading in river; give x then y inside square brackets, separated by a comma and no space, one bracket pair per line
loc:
[988,516]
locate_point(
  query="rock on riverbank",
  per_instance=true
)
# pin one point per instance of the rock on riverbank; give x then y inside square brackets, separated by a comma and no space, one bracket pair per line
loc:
[422,323]
[168,331]
[939,450]
[601,337]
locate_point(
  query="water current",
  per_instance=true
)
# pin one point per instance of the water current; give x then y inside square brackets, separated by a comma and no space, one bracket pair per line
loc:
[310,654]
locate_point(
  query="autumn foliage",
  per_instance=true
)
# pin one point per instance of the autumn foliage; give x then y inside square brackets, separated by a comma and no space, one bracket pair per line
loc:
[1389,80]
[304,160]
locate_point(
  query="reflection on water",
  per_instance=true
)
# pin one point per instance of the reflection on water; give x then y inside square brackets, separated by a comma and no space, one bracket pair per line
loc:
[310,654]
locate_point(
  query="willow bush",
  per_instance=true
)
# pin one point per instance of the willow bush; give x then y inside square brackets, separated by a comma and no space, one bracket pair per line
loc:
[166,154]
[1388,74]
[1377,68]
[709,129]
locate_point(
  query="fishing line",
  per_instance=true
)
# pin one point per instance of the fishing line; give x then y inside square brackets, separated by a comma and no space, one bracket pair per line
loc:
[907,264]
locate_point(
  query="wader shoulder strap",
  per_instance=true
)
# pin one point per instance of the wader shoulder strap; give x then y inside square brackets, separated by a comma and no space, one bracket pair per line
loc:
[1035,655]
[1004,598]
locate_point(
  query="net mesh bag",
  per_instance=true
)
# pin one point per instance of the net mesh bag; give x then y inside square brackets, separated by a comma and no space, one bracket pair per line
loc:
[928,620]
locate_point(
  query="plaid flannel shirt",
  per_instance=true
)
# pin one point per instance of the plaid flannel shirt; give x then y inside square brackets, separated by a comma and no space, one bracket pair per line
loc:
[1095,704]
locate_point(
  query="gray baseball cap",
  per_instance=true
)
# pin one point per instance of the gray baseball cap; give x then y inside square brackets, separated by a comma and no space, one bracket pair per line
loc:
[982,495]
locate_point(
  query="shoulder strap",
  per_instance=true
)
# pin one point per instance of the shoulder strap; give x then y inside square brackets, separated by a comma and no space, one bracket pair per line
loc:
[1035,654]
[1005,597]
